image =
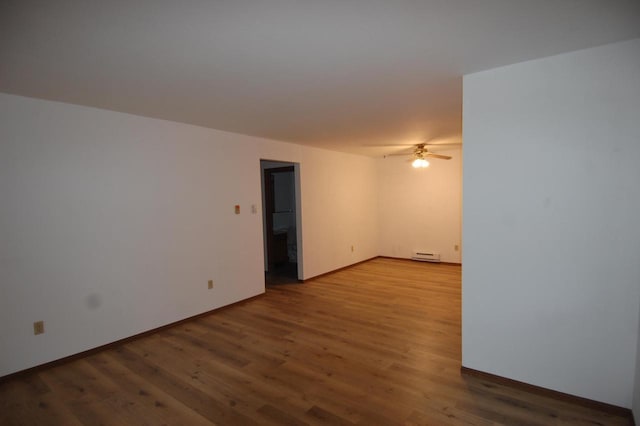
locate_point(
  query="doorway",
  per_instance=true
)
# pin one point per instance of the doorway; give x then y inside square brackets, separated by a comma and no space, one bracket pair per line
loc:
[281,214]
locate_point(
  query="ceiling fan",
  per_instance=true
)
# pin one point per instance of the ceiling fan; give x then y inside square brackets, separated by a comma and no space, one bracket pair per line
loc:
[420,154]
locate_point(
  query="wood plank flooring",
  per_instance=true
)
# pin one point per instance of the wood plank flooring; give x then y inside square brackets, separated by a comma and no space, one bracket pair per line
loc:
[375,344]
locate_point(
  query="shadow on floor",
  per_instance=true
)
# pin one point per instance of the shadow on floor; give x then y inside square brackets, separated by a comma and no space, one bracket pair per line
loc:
[285,273]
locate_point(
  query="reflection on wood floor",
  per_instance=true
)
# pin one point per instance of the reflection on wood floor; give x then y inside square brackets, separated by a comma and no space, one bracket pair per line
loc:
[376,344]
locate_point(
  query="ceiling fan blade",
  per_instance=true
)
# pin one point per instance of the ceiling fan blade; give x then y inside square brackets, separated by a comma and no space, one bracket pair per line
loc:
[443,144]
[432,155]
[404,153]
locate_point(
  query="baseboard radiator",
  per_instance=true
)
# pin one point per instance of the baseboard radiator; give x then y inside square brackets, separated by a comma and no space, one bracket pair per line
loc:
[426,256]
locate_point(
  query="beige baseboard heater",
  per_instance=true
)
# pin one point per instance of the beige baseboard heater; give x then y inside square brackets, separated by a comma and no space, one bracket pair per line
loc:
[426,256]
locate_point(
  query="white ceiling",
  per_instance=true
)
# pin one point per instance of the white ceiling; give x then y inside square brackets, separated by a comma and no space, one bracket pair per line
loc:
[339,74]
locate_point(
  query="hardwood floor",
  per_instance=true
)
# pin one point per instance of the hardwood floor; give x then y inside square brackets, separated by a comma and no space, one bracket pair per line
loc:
[376,344]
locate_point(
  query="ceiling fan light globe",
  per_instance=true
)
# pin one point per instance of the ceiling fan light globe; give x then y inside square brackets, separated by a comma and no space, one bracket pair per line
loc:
[420,163]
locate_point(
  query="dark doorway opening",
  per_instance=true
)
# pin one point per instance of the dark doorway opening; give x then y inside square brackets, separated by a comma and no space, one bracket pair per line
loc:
[280,223]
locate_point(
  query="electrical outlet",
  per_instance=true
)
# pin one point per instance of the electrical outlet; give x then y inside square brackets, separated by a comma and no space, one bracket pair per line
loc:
[210,284]
[38,327]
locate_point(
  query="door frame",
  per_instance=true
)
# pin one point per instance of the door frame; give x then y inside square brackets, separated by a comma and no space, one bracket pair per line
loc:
[281,166]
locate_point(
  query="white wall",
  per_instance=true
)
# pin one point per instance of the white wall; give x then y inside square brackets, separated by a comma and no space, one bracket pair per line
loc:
[551,271]
[111,224]
[421,209]
[339,210]
[636,386]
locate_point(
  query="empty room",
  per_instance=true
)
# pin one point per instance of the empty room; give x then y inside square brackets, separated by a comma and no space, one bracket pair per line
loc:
[281,212]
